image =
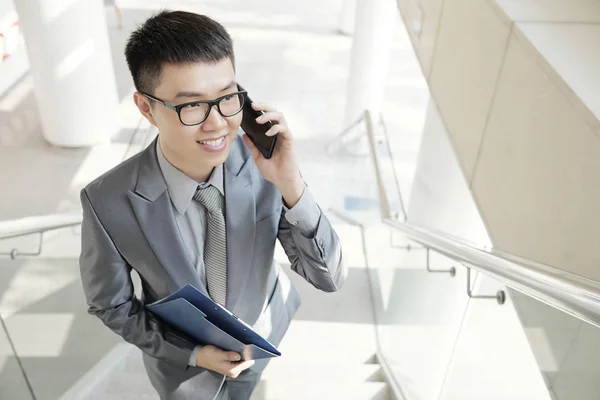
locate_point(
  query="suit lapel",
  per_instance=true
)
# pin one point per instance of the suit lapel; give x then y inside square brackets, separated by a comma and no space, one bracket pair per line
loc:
[240,217]
[153,209]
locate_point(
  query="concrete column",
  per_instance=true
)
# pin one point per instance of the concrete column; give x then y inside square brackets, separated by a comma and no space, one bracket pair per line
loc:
[71,65]
[370,57]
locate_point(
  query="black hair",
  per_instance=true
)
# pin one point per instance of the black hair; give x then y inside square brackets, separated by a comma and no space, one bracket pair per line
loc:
[174,37]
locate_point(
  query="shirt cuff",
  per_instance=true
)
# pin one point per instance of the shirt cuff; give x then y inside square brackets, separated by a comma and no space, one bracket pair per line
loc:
[305,215]
[194,356]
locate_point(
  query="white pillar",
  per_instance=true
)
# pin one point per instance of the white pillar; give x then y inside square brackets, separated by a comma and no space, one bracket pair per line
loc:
[347,17]
[71,65]
[370,58]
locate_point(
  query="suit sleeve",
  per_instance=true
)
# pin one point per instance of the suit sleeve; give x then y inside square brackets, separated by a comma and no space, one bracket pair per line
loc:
[311,244]
[110,296]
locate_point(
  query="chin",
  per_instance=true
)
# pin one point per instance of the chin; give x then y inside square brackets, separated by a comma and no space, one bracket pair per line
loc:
[221,159]
[215,158]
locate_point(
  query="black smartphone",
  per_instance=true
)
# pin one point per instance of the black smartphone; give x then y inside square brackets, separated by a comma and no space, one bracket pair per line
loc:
[257,132]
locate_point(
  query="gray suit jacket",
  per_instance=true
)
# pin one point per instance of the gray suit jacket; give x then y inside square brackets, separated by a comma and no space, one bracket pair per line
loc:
[128,223]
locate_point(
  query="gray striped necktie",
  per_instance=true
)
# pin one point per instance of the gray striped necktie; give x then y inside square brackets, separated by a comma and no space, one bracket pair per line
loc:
[215,244]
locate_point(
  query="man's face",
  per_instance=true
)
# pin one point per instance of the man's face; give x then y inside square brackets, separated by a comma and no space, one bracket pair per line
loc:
[207,144]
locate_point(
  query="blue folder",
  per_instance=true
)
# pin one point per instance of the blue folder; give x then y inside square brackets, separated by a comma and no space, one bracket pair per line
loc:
[197,315]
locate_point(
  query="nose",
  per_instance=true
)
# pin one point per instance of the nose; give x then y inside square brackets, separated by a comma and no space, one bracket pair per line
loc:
[215,121]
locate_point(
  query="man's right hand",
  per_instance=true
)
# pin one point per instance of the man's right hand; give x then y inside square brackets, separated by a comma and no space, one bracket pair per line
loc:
[224,362]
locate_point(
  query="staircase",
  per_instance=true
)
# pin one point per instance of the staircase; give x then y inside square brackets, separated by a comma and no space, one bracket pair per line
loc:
[328,352]
[283,379]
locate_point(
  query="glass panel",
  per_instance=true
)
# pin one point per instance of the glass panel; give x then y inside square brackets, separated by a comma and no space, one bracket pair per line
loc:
[566,349]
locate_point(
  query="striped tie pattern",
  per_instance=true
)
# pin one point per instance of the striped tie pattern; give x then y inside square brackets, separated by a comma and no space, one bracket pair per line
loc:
[215,243]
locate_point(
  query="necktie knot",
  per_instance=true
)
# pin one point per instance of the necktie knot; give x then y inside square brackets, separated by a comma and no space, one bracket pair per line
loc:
[210,198]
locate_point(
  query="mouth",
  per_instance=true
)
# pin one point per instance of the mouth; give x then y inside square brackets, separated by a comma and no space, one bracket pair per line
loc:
[213,145]
[213,142]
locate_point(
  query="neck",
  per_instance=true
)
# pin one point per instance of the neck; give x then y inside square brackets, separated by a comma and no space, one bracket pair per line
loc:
[199,173]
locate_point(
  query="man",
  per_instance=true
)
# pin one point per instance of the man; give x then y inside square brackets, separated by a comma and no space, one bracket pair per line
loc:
[200,206]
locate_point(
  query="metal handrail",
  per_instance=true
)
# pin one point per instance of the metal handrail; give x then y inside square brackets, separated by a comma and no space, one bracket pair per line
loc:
[37,224]
[565,291]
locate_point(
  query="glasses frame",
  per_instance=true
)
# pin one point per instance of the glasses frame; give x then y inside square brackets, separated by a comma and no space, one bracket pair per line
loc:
[177,108]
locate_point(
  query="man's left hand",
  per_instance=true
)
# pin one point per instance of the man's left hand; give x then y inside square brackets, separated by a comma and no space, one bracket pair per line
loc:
[282,168]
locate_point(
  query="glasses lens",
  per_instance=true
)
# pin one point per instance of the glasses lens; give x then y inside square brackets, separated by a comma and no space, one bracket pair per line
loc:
[231,104]
[193,113]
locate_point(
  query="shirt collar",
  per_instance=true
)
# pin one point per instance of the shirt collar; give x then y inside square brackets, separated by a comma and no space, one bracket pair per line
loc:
[180,186]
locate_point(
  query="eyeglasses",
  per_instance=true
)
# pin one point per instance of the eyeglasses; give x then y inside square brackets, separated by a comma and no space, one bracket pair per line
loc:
[196,112]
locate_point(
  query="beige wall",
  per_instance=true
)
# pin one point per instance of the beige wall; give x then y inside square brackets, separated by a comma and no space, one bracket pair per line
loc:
[516,85]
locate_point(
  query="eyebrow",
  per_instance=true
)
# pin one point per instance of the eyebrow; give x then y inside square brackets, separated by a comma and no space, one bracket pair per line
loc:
[198,94]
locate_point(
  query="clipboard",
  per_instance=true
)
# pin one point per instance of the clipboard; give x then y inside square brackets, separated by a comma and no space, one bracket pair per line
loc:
[197,315]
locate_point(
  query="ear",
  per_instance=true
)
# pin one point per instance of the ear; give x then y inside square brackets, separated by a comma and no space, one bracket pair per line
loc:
[143,104]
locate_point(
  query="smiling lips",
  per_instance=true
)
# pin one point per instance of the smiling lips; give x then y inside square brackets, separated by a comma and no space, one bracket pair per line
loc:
[213,145]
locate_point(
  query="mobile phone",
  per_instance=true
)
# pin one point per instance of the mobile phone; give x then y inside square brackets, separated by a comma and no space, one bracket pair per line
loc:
[257,132]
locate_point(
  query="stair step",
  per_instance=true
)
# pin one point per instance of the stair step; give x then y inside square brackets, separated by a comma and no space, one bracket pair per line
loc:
[367,372]
[285,390]
[123,396]
[328,341]
[283,381]
[122,385]
[313,372]
[325,389]
[134,363]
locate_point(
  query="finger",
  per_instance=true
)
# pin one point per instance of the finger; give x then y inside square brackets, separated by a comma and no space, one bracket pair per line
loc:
[242,366]
[281,129]
[273,116]
[233,356]
[263,107]
[255,153]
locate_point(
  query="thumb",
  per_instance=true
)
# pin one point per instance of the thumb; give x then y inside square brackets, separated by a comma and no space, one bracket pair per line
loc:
[233,356]
[255,153]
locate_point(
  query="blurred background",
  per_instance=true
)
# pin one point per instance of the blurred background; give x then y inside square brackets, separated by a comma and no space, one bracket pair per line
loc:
[454,144]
